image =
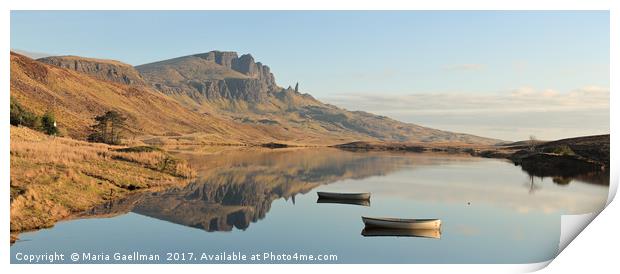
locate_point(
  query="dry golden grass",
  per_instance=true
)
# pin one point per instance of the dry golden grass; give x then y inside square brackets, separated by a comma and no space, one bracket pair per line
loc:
[52,177]
[155,160]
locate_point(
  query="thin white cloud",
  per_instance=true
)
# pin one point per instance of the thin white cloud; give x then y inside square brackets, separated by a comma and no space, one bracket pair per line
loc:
[508,115]
[517,100]
[465,67]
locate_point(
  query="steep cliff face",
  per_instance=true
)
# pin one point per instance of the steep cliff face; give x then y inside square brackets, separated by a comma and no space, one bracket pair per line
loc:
[244,64]
[212,76]
[108,70]
[250,90]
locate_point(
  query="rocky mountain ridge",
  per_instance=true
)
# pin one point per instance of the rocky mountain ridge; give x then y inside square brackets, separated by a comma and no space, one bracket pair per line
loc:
[243,91]
[212,76]
[246,91]
[110,70]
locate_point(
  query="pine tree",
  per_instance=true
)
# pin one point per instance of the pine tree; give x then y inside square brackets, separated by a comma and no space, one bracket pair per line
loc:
[109,128]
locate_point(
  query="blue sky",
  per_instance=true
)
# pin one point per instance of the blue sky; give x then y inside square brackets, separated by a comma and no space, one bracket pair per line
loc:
[338,55]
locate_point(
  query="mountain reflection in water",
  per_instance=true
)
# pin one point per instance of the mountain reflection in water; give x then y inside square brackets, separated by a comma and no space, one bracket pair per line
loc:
[236,187]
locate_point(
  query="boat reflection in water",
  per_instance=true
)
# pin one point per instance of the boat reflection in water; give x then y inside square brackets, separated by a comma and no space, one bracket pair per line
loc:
[344,196]
[343,201]
[390,232]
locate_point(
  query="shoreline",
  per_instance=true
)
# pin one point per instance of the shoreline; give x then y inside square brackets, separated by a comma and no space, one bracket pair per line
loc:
[566,157]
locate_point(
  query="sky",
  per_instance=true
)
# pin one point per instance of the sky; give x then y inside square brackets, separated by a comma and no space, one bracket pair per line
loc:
[506,75]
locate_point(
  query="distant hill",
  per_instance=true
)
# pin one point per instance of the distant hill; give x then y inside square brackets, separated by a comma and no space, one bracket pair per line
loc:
[246,90]
[31,54]
[587,157]
[595,147]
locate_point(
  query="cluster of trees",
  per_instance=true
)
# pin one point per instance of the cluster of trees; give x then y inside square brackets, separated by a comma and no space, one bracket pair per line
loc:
[108,128]
[22,117]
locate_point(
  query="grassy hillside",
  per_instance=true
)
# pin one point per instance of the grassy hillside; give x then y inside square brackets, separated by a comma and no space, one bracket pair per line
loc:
[76,98]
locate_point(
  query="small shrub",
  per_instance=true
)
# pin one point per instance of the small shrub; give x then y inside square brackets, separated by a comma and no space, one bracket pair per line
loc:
[562,150]
[48,124]
[562,180]
[22,117]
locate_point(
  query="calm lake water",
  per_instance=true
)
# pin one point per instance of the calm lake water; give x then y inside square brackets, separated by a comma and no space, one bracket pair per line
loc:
[254,201]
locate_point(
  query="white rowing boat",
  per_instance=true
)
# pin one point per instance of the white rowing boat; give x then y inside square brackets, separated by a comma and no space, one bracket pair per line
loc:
[402,223]
[344,196]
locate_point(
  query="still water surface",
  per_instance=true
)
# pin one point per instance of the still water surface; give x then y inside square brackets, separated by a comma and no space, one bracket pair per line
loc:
[255,201]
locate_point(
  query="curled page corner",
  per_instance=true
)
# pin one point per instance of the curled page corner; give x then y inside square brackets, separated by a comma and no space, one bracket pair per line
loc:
[533,267]
[571,226]
[613,187]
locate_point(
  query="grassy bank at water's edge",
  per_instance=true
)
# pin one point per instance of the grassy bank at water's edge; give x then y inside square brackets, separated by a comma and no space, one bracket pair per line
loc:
[54,177]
